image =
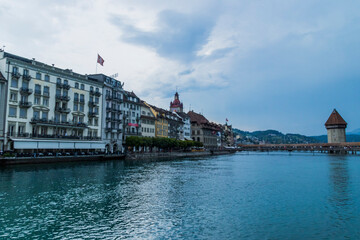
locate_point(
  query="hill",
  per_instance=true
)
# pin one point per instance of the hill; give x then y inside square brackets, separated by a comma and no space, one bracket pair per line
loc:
[270,137]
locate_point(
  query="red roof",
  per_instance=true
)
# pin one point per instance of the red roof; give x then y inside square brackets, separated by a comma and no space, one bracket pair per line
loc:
[196,117]
[335,119]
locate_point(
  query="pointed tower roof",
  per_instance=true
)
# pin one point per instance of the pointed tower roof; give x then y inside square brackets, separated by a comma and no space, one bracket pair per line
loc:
[335,119]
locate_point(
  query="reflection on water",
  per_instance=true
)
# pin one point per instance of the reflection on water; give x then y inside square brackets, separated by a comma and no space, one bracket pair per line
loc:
[255,196]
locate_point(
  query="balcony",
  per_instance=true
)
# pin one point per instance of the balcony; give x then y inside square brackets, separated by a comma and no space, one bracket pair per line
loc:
[46,94]
[109,97]
[108,109]
[66,86]
[37,92]
[119,130]
[64,98]
[26,77]
[108,129]
[15,75]
[62,109]
[92,114]
[120,100]
[57,122]
[92,103]
[59,85]
[25,104]
[97,93]
[53,136]
[108,119]
[26,91]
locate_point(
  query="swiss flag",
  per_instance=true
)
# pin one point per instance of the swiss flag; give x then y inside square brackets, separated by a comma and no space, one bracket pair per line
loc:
[100,60]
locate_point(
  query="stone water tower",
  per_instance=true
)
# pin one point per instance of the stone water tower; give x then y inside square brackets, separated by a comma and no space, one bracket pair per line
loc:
[335,126]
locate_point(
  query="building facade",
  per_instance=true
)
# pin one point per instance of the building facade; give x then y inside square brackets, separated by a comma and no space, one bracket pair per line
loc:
[47,108]
[161,122]
[132,111]
[3,101]
[336,126]
[186,127]
[147,121]
[202,130]
[112,112]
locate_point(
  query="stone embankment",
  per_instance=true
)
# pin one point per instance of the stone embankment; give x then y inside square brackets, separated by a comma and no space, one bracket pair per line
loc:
[130,156]
[170,155]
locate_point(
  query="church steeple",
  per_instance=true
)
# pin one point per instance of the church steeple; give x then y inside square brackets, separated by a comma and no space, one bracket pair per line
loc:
[176,105]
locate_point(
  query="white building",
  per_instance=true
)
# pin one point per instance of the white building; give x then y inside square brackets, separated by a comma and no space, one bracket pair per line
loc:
[187,125]
[47,108]
[147,121]
[112,118]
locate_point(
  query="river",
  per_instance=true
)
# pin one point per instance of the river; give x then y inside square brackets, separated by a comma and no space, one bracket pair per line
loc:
[239,196]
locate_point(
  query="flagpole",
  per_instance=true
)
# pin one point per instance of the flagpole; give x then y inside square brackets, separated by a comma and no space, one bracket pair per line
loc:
[96,64]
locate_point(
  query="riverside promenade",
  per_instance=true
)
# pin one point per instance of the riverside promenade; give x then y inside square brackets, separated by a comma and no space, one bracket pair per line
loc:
[106,157]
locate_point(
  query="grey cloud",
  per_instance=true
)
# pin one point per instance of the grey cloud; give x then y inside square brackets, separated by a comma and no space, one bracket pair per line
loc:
[186,72]
[179,35]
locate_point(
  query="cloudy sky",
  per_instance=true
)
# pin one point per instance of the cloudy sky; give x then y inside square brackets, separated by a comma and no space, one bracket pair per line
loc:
[281,65]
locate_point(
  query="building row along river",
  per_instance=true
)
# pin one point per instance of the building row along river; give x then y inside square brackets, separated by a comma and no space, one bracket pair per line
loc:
[44,108]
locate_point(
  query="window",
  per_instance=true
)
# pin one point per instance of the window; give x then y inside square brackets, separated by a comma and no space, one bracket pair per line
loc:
[57,117]
[76,97]
[23,112]
[36,114]
[45,101]
[97,100]
[58,81]
[65,93]
[63,118]
[66,82]
[82,98]
[82,87]
[15,70]
[37,89]
[14,83]
[45,115]
[13,96]
[12,111]
[37,100]
[81,107]
[91,99]
[81,119]
[96,122]
[21,129]
[12,127]
[38,76]
[46,91]
[76,107]
[91,88]
[77,85]
[26,72]
[58,92]
[25,84]
[47,78]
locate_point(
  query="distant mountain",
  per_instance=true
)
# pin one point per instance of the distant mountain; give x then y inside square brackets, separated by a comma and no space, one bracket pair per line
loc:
[349,138]
[276,137]
[270,137]
[355,132]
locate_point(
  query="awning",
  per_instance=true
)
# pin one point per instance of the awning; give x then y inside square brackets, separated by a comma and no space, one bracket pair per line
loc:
[56,144]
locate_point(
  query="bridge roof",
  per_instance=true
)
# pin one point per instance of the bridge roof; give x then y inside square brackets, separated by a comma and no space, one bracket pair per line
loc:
[335,119]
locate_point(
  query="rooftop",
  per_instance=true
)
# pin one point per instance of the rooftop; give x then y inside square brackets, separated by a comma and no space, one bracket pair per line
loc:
[335,119]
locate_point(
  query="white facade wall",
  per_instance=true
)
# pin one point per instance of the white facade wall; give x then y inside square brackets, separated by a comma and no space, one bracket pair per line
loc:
[33,108]
[147,122]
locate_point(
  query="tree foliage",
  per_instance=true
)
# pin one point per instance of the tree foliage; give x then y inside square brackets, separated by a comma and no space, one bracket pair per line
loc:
[161,142]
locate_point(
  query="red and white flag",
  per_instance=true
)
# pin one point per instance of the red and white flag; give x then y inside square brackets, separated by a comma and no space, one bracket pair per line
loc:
[100,60]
